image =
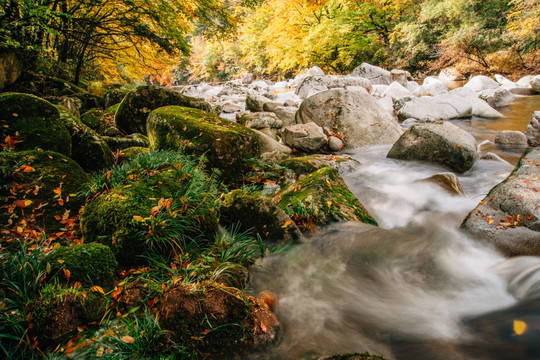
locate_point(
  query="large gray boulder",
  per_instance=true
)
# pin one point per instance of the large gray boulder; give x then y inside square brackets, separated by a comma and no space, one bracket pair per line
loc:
[134,110]
[481,83]
[443,143]
[376,75]
[498,97]
[286,114]
[397,91]
[354,114]
[511,138]
[256,103]
[533,130]
[307,137]
[442,107]
[480,108]
[535,84]
[315,84]
[508,217]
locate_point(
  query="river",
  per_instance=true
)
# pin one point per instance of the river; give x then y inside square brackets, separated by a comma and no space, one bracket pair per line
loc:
[416,287]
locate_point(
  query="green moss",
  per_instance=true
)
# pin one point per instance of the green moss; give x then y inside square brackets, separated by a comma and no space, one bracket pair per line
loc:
[109,218]
[129,153]
[49,180]
[102,121]
[34,122]
[227,145]
[91,264]
[323,195]
[124,142]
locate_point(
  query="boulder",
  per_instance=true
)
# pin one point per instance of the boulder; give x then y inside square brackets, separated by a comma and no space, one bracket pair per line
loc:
[10,68]
[271,106]
[305,165]
[315,84]
[399,76]
[123,142]
[255,103]
[89,149]
[535,84]
[29,122]
[259,216]
[90,264]
[376,75]
[431,87]
[322,198]
[447,181]
[247,78]
[449,76]
[442,107]
[286,114]
[42,183]
[481,83]
[525,82]
[101,121]
[270,144]
[307,137]
[72,104]
[229,108]
[227,145]
[480,107]
[511,138]
[113,97]
[335,143]
[134,109]
[353,115]
[533,130]
[508,216]
[263,120]
[443,143]
[497,97]
[504,82]
[397,91]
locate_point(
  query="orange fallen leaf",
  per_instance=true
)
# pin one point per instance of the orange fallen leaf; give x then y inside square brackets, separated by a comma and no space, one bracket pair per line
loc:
[67,274]
[127,339]
[137,218]
[263,328]
[97,289]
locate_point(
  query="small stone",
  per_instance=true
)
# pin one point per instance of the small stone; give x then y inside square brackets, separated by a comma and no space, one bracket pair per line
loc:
[511,138]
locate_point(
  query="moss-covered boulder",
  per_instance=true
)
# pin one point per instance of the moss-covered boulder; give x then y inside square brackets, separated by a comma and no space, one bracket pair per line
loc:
[43,184]
[114,97]
[156,210]
[134,109]
[90,264]
[88,149]
[226,144]
[259,215]
[303,165]
[124,142]
[101,121]
[223,320]
[31,122]
[322,197]
[125,155]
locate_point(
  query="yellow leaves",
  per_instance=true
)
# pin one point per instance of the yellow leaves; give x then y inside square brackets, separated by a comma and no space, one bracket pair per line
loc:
[97,289]
[520,327]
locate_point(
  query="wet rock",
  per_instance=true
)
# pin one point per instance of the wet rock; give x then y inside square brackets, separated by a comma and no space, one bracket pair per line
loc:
[134,110]
[508,216]
[227,145]
[511,138]
[442,107]
[307,137]
[31,122]
[354,114]
[447,181]
[442,143]
[376,75]
[259,216]
[316,84]
[533,130]
[480,83]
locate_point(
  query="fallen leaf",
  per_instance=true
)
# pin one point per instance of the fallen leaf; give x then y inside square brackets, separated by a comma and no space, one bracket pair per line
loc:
[263,328]
[137,218]
[67,274]
[127,339]
[520,327]
[97,289]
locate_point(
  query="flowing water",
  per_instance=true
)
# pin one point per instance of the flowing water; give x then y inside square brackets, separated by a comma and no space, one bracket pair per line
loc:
[416,287]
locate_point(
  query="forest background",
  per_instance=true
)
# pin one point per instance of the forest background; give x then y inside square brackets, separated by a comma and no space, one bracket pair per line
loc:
[99,42]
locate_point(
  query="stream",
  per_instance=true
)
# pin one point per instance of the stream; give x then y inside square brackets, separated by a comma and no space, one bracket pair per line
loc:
[416,287]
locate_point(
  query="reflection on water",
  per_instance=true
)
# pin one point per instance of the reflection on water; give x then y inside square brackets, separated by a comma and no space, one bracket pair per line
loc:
[516,117]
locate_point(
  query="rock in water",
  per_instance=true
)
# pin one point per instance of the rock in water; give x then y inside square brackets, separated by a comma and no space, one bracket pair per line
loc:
[511,138]
[354,114]
[447,181]
[442,107]
[533,130]
[442,143]
[509,215]
[226,144]
[133,111]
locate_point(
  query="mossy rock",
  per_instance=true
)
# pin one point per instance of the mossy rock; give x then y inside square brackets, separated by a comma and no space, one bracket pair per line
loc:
[303,165]
[101,121]
[126,155]
[32,123]
[259,215]
[133,111]
[47,181]
[115,218]
[114,97]
[227,145]
[91,264]
[223,320]
[89,149]
[124,142]
[323,197]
